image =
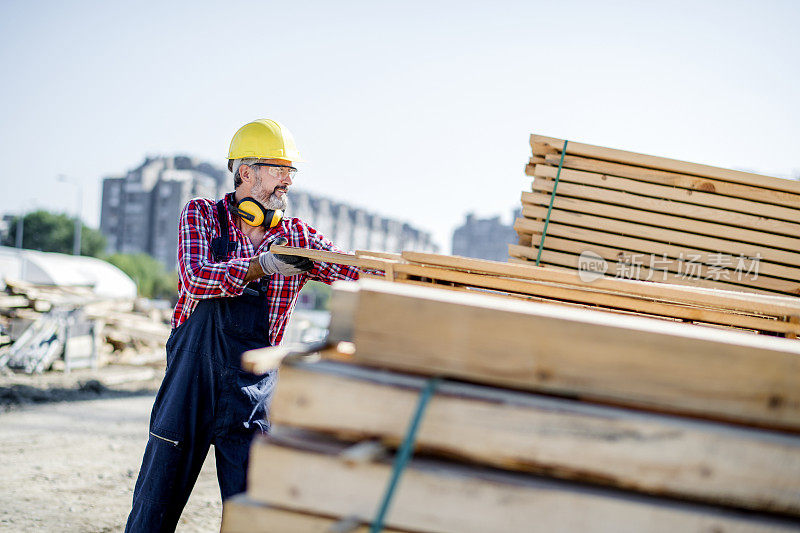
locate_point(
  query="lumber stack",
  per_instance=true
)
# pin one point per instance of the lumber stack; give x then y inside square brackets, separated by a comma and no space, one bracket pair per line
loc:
[545,418]
[772,314]
[660,219]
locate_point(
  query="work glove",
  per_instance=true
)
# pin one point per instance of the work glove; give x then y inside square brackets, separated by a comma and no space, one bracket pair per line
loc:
[285,265]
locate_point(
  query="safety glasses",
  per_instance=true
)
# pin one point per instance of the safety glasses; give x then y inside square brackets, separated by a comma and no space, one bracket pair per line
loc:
[282,171]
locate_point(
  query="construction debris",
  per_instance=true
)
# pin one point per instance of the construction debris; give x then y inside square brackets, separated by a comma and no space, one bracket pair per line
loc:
[71,327]
[647,217]
[41,343]
[536,414]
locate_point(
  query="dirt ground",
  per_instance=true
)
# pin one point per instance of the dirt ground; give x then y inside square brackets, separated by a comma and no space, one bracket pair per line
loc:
[71,447]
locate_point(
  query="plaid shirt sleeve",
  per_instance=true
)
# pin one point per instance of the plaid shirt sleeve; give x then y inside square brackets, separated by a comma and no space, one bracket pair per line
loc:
[200,277]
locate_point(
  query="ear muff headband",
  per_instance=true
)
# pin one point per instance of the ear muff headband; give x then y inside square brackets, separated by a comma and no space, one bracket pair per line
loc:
[254,214]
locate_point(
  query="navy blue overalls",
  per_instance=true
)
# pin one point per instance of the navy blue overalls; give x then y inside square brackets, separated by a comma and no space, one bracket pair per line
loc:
[205,398]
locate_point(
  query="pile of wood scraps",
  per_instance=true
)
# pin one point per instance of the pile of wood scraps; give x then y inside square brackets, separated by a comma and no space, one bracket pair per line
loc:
[39,345]
[70,327]
[772,314]
[647,217]
[520,415]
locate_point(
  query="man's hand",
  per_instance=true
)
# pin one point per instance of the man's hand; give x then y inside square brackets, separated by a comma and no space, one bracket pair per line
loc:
[285,265]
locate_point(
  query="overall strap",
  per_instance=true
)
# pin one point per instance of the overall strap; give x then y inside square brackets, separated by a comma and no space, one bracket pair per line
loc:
[222,246]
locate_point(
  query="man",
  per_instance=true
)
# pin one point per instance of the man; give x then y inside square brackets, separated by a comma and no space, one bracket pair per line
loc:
[234,295]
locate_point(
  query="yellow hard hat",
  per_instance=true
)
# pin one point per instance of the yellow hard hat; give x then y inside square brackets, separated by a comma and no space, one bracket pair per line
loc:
[264,139]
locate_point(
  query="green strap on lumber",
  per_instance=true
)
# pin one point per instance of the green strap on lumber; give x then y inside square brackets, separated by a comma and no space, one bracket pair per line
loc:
[550,208]
[404,453]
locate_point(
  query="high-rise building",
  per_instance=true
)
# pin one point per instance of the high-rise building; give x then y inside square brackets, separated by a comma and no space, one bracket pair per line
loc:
[140,212]
[484,238]
[353,228]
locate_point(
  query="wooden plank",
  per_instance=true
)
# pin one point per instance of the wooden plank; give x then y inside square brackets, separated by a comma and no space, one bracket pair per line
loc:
[602,299]
[770,275]
[724,231]
[440,497]
[379,255]
[569,262]
[372,276]
[738,301]
[514,295]
[672,179]
[654,454]
[727,203]
[624,245]
[325,256]
[634,361]
[439,284]
[670,165]
[641,229]
[8,301]
[595,191]
[788,331]
[241,514]
[318,255]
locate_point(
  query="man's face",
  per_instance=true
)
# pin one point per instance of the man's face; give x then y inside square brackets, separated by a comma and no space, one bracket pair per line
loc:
[269,185]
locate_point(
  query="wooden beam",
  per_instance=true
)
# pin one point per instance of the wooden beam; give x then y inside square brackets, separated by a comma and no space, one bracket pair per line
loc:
[317,255]
[242,514]
[738,301]
[670,165]
[513,295]
[594,190]
[379,255]
[770,211]
[517,431]
[562,201]
[634,361]
[640,228]
[332,257]
[602,299]
[409,280]
[441,497]
[672,179]
[8,301]
[767,272]
[567,261]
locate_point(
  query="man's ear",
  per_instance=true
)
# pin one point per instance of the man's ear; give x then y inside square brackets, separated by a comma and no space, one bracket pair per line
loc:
[245,172]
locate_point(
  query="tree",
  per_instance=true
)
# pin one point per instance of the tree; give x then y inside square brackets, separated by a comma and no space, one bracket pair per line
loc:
[152,279]
[54,232]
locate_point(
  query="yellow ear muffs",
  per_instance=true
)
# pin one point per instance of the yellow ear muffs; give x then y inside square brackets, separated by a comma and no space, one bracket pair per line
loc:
[254,214]
[277,216]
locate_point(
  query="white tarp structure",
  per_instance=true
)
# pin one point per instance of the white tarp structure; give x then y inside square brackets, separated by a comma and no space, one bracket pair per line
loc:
[47,268]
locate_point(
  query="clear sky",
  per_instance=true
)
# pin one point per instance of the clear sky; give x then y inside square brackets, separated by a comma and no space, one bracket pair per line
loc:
[416,110]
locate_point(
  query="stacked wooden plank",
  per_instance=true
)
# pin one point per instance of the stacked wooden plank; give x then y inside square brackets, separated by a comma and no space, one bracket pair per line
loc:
[654,218]
[46,324]
[547,418]
[39,345]
[762,313]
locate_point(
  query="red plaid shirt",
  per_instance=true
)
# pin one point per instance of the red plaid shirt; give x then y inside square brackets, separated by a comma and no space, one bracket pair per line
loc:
[200,277]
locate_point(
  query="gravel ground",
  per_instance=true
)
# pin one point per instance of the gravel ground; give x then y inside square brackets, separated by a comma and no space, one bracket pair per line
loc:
[70,451]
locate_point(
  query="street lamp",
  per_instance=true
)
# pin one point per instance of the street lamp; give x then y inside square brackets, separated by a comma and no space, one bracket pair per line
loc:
[76,245]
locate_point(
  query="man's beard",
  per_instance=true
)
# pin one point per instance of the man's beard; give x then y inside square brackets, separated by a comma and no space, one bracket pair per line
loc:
[273,201]
[277,202]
